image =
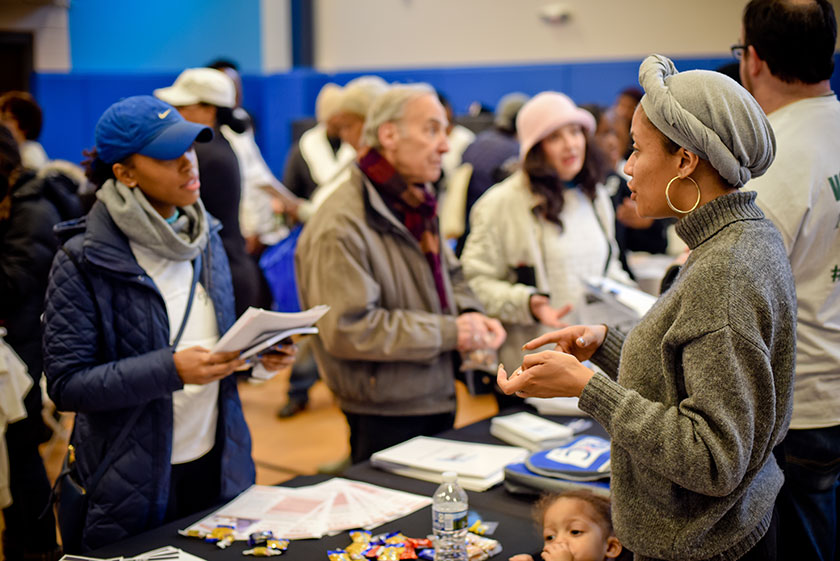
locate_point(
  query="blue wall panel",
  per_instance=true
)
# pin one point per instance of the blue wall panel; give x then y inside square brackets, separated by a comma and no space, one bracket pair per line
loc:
[163,35]
[73,102]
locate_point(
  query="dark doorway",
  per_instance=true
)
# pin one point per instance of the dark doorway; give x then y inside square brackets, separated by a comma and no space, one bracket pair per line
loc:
[15,60]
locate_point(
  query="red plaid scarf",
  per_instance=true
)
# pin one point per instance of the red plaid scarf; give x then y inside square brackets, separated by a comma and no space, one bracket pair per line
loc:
[414,205]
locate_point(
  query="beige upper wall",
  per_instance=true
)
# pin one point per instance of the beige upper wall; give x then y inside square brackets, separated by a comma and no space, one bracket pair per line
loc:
[48,24]
[366,34]
[276,35]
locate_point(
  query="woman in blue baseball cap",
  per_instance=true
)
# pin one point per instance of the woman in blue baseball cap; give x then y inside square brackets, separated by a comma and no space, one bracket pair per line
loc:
[139,293]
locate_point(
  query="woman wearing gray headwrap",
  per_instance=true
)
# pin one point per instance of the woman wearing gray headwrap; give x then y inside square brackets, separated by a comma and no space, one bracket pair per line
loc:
[698,394]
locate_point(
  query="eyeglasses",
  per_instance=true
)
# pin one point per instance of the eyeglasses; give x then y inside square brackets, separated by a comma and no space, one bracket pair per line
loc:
[738,51]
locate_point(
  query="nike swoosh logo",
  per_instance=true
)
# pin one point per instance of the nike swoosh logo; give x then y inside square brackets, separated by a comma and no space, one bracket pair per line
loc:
[164,114]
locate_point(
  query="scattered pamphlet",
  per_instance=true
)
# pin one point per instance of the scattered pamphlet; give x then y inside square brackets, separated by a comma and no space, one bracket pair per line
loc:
[257,330]
[533,432]
[167,553]
[479,466]
[327,508]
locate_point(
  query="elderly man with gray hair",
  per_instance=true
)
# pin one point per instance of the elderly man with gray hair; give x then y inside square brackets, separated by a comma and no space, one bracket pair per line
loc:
[399,304]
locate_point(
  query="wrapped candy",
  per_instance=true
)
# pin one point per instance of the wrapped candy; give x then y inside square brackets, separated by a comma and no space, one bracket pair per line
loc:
[222,535]
[361,543]
[260,538]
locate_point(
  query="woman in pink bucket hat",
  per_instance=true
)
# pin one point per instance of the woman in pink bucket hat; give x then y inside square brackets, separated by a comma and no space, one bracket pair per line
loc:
[536,236]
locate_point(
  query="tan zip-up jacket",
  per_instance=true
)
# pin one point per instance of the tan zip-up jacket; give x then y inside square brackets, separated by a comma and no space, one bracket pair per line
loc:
[385,347]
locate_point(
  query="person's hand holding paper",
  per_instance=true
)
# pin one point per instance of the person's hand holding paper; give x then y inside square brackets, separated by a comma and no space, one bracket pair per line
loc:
[197,365]
[263,338]
[279,356]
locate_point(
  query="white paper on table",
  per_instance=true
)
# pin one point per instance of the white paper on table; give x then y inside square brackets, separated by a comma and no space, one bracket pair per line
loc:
[564,406]
[383,505]
[469,483]
[166,553]
[440,455]
[346,512]
[259,508]
[390,502]
[329,507]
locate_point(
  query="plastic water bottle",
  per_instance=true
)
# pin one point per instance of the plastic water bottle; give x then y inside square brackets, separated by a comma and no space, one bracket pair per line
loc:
[449,520]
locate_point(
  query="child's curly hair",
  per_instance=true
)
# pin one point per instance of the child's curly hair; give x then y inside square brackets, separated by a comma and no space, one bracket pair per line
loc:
[600,504]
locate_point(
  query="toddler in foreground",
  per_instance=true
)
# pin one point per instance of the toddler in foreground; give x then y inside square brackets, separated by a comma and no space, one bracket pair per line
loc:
[576,527]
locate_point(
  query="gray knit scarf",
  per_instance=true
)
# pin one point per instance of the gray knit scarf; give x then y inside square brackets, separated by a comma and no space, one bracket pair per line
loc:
[134,215]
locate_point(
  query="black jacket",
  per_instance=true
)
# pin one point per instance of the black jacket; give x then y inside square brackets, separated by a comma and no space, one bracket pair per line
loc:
[27,246]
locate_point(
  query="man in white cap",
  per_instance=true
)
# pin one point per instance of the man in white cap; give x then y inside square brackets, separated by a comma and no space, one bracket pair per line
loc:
[352,107]
[319,154]
[199,94]
[356,98]
[264,198]
[787,58]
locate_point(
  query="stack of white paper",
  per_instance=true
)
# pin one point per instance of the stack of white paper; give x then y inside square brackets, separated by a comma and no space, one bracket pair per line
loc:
[529,431]
[256,329]
[326,508]
[479,466]
[564,406]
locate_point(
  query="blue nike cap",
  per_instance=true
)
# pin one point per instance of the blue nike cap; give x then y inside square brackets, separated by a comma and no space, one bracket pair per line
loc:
[145,125]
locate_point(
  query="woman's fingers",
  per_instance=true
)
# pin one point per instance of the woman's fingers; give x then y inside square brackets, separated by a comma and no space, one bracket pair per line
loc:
[507,385]
[544,339]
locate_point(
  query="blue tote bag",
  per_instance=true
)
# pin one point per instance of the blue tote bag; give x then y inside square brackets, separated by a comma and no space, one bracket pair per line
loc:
[278,265]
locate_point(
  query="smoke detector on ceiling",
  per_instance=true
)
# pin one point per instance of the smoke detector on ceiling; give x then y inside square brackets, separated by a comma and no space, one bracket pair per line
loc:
[556,13]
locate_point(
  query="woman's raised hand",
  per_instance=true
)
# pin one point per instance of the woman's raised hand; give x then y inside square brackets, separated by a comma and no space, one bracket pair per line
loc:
[580,341]
[546,374]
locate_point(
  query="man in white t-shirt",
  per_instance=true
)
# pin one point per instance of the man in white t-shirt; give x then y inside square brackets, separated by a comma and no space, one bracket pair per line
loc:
[787,58]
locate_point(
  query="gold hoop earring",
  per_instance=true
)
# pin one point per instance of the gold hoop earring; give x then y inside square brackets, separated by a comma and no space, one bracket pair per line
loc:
[668,198]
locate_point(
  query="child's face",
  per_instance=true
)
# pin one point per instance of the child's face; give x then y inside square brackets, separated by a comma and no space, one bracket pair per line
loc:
[571,532]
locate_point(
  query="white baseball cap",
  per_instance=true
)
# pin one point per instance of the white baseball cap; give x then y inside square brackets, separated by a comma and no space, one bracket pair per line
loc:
[200,85]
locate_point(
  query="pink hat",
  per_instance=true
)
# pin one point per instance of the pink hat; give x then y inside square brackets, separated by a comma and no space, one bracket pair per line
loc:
[545,113]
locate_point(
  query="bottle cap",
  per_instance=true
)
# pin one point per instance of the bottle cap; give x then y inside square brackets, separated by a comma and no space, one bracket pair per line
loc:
[449,476]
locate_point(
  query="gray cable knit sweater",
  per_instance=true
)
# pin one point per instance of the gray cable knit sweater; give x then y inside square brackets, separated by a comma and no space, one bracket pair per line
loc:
[704,393]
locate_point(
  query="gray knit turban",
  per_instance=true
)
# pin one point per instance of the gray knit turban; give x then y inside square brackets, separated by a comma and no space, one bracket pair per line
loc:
[711,115]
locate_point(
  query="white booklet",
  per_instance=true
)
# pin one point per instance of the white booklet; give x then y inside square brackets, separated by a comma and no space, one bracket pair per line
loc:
[530,431]
[567,406]
[257,330]
[479,466]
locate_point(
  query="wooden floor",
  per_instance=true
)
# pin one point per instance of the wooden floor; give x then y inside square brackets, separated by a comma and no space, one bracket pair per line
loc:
[313,440]
[316,437]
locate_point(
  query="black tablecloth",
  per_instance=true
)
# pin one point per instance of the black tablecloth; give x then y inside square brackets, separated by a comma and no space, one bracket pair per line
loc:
[516,532]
